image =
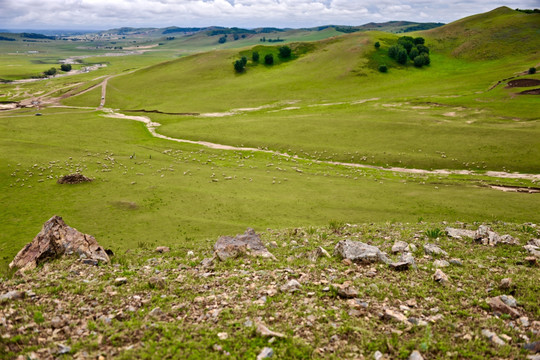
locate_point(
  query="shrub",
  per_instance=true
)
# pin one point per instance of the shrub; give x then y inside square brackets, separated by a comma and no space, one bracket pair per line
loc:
[419,61]
[269,59]
[393,51]
[244,60]
[532,70]
[419,40]
[223,39]
[65,67]
[377,45]
[50,72]
[239,66]
[255,56]
[414,53]
[422,49]
[285,52]
[434,233]
[402,56]
[383,68]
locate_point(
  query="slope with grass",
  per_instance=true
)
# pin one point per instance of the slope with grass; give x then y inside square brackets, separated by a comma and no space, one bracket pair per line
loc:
[330,99]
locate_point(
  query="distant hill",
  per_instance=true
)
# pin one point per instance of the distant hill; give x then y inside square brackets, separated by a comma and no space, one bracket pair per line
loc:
[395,27]
[491,35]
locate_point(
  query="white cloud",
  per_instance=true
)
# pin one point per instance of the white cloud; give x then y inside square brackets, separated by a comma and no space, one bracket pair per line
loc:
[104,14]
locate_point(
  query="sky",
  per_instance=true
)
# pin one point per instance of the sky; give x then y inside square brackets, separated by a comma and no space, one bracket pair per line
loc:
[108,14]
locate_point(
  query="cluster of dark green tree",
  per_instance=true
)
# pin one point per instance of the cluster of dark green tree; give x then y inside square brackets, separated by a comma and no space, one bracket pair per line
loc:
[52,71]
[409,48]
[264,39]
[285,53]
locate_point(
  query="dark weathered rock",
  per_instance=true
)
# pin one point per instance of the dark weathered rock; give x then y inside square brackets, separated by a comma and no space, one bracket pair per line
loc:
[248,243]
[12,295]
[73,179]
[400,266]
[486,236]
[440,277]
[497,305]
[533,347]
[56,239]
[408,258]
[360,252]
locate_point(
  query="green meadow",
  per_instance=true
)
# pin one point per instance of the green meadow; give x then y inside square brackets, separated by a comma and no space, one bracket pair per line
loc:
[327,103]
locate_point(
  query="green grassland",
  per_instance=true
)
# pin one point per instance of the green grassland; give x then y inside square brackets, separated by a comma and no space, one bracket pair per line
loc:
[328,102]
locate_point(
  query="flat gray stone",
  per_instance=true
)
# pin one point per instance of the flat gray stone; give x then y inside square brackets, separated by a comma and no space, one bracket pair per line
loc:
[360,252]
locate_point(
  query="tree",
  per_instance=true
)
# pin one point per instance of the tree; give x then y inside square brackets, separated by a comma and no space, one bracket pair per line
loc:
[402,56]
[244,60]
[239,66]
[255,56]
[383,68]
[419,61]
[236,36]
[393,51]
[414,53]
[285,52]
[422,49]
[419,40]
[377,45]
[427,60]
[223,39]
[269,59]
[50,72]
[65,67]
[532,70]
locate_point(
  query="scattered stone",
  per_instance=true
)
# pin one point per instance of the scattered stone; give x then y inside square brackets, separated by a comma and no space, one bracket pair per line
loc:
[533,247]
[156,312]
[457,262]
[432,249]
[524,321]
[57,323]
[408,258]
[120,281]
[345,290]
[318,253]
[360,252]
[532,260]
[378,355]
[390,314]
[156,282]
[73,179]
[264,331]
[291,286]
[163,249]
[63,349]
[497,305]
[265,353]
[223,336]
[56,239]
[400,246]
[459,233]
[12,295]
[207,263]
[509,300]
[493,337]
[533,347]
[440,277]
[91,262]
[441,263]
[486,236]
[400,266]
[229,247]
[415,355]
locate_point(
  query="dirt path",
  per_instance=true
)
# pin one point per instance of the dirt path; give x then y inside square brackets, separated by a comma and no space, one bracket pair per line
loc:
[151,126]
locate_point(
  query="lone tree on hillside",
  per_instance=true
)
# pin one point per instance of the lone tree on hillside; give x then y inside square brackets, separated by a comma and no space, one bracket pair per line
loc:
[377,45]
[223,39]
[65,67]
[255,56]
[532,70]
[285,52]
[269,59]
[239,66]
[383,68]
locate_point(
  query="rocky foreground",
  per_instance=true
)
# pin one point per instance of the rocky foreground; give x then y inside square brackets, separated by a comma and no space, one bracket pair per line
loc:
[389,291]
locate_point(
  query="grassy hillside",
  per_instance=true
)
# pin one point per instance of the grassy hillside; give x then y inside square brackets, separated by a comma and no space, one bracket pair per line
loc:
[496,34]
[332,87]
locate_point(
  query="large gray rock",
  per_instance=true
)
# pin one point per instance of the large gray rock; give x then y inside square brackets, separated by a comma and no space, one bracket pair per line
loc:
[54,240]
[432,249]
[459,233]
[486,236]
[248,243]
[360,252]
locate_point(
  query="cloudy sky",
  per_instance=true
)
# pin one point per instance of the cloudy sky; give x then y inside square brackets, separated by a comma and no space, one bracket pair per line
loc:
[107,14]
